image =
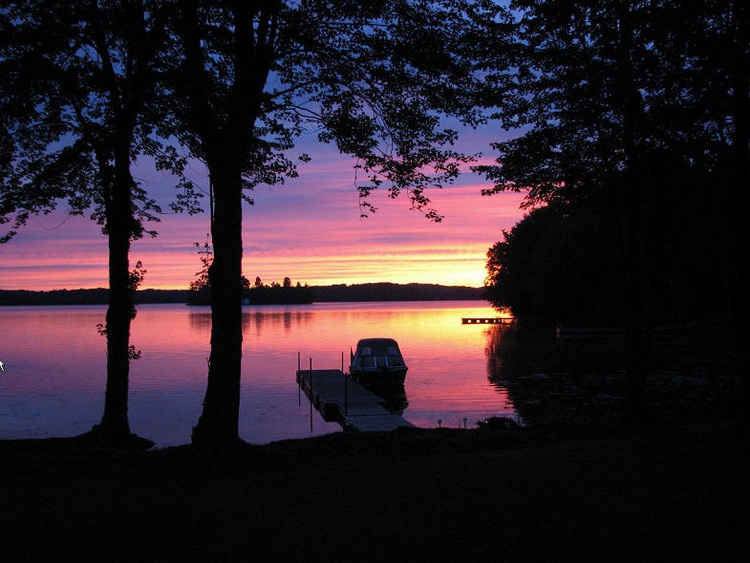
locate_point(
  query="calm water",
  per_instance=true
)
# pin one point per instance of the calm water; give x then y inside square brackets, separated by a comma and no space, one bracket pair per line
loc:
[54,378]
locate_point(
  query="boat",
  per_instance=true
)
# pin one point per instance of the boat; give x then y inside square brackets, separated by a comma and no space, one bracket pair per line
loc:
[377,362]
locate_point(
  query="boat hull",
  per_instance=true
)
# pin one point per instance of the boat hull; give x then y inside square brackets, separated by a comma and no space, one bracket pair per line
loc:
[379,377]
[377,362]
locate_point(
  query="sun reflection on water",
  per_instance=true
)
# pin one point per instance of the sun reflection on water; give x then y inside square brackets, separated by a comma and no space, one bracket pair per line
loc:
[55,363]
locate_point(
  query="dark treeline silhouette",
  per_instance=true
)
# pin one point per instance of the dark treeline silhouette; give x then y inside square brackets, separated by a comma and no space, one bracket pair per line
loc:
[395,292]
[277,294]
[259,293]
[561,265]
[634,157]
[97,296]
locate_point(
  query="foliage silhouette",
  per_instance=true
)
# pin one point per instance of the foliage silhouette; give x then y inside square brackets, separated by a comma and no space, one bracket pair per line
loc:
[629,106]
[375,79]
[77,98]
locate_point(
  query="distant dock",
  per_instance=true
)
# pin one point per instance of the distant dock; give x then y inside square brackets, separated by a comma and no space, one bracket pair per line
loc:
[487,320]
[340,399]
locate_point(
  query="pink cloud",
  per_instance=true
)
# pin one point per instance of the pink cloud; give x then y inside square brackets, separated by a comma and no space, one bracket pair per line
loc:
[309,230]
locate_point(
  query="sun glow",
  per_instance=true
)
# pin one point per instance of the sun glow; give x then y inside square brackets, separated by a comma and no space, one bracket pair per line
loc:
[309,230]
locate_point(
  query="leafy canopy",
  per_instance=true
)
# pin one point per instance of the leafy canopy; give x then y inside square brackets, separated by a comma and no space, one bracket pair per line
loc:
[78,83]
[377,79]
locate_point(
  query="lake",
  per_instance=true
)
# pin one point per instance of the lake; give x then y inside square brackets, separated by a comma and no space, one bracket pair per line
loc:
[55,366]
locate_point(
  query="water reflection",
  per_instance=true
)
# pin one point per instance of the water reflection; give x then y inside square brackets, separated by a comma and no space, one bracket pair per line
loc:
[55,367]
[394,398]
[552,380]
[253,321]
[200,318]
[514,359]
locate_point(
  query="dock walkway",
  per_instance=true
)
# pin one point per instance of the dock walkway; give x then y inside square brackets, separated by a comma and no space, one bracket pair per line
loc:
[487,320]
[340,399]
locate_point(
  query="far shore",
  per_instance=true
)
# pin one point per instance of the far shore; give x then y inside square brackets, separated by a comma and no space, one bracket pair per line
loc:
[367,292]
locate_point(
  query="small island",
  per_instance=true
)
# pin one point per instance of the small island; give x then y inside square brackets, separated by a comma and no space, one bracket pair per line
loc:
[259,293]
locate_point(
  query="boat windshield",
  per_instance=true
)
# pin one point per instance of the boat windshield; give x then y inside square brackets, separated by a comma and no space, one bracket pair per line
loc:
[379,354]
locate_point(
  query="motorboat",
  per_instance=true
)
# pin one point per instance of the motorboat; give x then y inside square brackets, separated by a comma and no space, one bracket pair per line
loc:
[377,362]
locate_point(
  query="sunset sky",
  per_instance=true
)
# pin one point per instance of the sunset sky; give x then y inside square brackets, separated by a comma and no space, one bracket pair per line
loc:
[310,230]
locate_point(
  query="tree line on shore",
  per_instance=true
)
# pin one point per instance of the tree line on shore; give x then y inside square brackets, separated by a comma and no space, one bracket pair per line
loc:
[635,155]
[320,293]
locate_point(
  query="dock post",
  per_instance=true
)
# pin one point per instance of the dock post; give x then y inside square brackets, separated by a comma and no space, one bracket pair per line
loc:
[311,396]
[346,387]
[299,387]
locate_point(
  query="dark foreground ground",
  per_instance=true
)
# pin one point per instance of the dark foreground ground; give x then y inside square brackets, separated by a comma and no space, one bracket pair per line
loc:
[616,491]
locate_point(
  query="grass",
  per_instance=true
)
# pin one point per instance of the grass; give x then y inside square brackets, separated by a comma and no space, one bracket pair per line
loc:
[625,493]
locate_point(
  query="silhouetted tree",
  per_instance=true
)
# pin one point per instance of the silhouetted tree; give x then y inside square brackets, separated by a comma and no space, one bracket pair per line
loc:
[77,87]
[200,289]
[548,269]
[626,102]
[276,294]
[372,77]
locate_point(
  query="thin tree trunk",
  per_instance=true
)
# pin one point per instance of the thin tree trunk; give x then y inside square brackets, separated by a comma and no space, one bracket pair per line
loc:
[114,427]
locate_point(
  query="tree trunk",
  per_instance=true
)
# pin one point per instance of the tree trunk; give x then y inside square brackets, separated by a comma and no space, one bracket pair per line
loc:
[219,421]
[225,126]
[115,428]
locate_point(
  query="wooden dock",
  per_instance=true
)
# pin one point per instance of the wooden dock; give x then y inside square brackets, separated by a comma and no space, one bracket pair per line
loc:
[487,320]
[340,399]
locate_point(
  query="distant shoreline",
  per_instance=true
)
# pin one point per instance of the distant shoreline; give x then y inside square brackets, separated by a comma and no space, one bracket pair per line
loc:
[367,292]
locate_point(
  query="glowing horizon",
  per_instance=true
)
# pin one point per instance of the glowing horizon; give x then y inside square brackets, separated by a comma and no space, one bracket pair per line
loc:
[309,230]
